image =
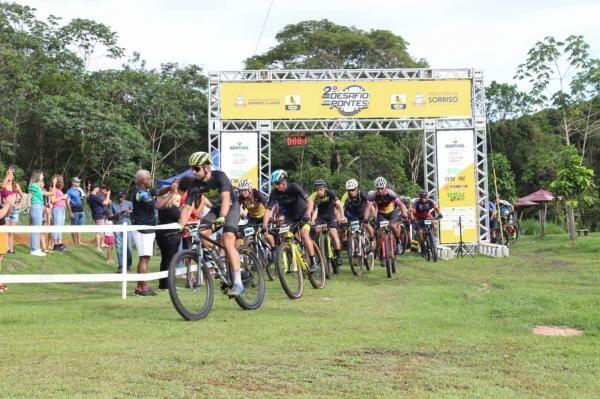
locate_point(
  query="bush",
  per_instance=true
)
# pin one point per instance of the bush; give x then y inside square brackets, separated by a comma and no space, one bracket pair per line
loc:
[530,225]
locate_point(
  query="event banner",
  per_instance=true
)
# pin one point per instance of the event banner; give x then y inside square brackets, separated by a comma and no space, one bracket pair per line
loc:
[345,99]
[456,181]
[239,156]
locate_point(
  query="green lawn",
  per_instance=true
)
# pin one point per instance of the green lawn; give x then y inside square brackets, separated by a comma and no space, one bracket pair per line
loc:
[459,328]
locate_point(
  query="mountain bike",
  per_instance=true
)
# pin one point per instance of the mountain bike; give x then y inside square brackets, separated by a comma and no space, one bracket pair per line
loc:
[291,263]
[510,232]
[323,239]
[429,249]
[386,244]
[255,242]
[360,254]
[192,271]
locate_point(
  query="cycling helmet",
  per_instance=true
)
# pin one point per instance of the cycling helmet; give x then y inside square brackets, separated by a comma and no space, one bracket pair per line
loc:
[319,183]
[244,184]
[371,193]
[423,193]
[199,158]
[351,184]
[380,182]
[278,176]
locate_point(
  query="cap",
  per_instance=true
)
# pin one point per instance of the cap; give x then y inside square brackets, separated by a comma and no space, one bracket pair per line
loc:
[120,192]
[76,180]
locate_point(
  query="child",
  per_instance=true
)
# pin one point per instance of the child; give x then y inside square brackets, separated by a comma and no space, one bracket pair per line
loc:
[109,240]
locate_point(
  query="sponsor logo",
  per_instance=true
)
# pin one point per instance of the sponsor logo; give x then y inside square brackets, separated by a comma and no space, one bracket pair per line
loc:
[419,99]
[240,101]
[239,146]
[398,101]
[292,103]
[442,99]
[349,101]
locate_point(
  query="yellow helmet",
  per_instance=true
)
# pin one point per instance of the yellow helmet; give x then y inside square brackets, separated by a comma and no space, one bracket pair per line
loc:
[199,158]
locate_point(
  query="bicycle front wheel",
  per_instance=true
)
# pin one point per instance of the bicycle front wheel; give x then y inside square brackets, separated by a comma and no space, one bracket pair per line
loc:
[431,246]
[317,279]
[190,286]
[387,256]
[289,271]
[327,261]
[253,279]
[355,254]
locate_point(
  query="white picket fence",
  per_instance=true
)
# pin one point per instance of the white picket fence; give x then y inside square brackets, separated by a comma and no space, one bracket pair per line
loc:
[123,277]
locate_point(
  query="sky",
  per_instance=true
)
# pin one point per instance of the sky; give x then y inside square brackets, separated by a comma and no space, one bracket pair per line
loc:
[218,35]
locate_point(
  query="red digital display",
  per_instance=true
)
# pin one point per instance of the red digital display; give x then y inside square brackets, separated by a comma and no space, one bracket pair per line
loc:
[297,141]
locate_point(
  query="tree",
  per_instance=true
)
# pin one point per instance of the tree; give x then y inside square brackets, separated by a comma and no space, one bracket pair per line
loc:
[324,44]
[574,183]
[505,101]
[499,167]
[563,75]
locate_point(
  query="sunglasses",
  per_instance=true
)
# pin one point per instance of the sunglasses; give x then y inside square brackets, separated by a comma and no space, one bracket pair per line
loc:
[279,183]
[196,168]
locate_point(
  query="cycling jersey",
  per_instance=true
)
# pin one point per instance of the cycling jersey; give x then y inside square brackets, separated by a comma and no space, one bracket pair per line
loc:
[291,201]
[255,204]
[422,209]
[386,202]
[325,204]
[355,208]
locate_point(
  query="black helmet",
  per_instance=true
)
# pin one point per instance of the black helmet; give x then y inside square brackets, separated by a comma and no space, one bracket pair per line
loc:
[423,193]
[319,183]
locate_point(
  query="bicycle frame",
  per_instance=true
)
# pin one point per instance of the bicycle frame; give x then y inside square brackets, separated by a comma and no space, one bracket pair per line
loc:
[289,238]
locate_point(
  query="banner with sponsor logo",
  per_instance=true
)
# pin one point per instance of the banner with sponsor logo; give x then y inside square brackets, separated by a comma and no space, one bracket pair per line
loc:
[239,156]
[457,190]
[345,99]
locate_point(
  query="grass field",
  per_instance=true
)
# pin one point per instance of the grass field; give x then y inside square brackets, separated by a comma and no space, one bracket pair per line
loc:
[459,328]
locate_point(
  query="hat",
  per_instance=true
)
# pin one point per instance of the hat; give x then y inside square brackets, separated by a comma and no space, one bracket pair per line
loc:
[76,180]
[120,192]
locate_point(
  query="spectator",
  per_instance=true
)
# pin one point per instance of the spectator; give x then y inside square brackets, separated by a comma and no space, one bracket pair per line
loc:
[168,240]
[195,216]
[109,240]
[75,200]
[121,209]
[144,213]
[59,206]
[10,187]
[47,239]
[98,201]
[36,212]
[5,209]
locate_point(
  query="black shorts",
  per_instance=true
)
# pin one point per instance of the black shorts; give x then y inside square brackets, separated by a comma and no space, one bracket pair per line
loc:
[394,215]
[254,221]
[231,220]
[330,220]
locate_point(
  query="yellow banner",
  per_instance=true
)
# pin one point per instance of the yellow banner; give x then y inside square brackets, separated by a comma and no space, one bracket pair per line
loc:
[345,99]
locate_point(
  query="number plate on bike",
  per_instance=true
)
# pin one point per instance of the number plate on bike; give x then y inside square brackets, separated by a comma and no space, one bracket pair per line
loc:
[355,225]
[284,229]
[384,223]
[321,227]
[248,231]
[427,222]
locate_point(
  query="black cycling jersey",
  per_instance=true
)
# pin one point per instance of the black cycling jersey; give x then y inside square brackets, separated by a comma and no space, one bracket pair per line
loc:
[355,207]
[422,209]
[212,189]
[325,204]
[291,201]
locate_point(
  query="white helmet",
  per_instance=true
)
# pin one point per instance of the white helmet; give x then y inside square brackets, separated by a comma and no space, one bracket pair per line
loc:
[351,184]
[380,182]
[244,184]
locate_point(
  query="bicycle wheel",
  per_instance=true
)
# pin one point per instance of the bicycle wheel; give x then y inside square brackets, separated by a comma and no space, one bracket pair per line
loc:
[392,254]
[327,263]
[431,246]
[368,254]
[190,286]
[402,242]
[387,255]
[317,279]
[288,271]
[355,254]
[265,256]
[253,279]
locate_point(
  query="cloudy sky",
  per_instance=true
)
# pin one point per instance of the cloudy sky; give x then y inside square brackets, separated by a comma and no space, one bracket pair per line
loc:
[219,35]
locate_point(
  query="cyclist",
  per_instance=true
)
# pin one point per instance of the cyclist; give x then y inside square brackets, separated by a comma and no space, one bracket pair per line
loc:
[253,203]
[225,210]
[506,211]
[294,206]
[493,214]
[357,205]
[389,206]
[420,211]
[328,211]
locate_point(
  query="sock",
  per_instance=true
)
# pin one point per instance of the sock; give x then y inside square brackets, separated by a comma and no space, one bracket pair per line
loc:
[237,277]
[313,260]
